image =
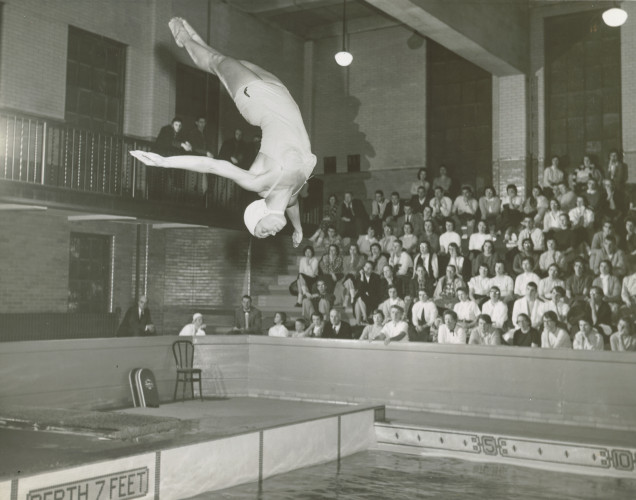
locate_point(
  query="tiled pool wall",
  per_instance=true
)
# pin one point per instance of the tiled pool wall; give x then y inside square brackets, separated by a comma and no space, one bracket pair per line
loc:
[189,470]
[514,450]
[559,386]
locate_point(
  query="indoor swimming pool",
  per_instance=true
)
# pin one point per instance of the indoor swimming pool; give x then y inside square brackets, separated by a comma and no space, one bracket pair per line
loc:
[379,475]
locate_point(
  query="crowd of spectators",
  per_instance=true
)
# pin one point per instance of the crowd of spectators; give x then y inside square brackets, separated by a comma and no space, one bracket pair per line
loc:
[442,263]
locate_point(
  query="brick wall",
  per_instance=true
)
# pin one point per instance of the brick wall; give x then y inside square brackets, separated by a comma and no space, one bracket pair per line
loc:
[509,136]
[33,67]
[35,260]
[376,107]
[181,270]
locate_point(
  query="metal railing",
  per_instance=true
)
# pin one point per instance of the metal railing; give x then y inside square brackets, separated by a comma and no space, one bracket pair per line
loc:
[49,153]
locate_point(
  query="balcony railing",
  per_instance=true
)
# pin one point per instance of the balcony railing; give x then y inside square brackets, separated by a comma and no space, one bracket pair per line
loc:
[52,154]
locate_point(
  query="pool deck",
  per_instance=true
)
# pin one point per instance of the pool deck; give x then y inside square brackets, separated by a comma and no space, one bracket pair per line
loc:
[28,452]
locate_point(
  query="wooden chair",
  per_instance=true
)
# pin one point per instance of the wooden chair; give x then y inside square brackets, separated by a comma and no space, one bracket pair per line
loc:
[183,351]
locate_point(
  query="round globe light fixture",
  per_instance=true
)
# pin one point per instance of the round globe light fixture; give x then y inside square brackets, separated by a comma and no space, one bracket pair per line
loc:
[344,58]
[614,17]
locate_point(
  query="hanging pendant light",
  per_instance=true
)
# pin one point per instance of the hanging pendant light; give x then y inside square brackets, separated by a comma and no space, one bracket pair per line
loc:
[344,58]
[615,16]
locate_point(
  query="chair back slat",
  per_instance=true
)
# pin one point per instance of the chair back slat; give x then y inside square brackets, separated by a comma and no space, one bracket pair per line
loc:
[183,351]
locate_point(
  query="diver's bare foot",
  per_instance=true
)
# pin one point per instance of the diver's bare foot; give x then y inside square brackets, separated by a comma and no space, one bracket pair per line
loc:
[150,159]
[195,36]
[178,31]
[182,32]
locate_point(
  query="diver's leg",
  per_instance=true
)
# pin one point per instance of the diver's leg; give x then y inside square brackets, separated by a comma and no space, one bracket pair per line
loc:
[232,72]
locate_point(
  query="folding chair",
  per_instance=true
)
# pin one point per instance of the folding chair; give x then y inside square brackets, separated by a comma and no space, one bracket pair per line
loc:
[183,351]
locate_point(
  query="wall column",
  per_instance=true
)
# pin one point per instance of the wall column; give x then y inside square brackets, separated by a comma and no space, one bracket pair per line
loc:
[628,89]
[510,132]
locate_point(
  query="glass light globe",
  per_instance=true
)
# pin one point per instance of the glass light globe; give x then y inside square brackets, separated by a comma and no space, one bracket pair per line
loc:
[614,17]
[344,58]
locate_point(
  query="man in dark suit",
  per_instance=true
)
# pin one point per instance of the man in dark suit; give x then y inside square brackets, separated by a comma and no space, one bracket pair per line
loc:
[416,220]
[336,328]
[616,170]
[137,321]
[235,150]
[353,217]
[368,288]
[171,141]
[247,319]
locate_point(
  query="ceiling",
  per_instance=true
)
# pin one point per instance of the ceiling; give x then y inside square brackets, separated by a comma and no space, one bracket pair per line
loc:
[314,19]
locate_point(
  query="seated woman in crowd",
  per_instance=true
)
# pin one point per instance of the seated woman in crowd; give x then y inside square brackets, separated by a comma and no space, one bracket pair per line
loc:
[578,284]
[388,238]
[547,284]
[583,173]
[421,281]
[331,266]
[627,241]
[443,180]
[316,327]
[430,236]
[408,239]
[527,252]
[307,272]
[593,196]
[559,305]
[424,316]
[512,207]
[466,309]
[536,205]
[323,241]
[486,257]
[345,288]
[609,284]
[624,339]
[445,296]
[456,259]
[422,180]
[329,218]
[551,217]
[366,240]
[378,258]
[279,329]
[484,333]
[550,256]
[374,331]
[612,202]
[477,239]
[428,259]
[525,335]
[490,207]
[582,219]
[450,332]
[479,285]
[554,336]
[553,175]
[587,338]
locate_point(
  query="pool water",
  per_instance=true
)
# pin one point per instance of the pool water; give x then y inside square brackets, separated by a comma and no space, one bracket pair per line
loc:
[382,475]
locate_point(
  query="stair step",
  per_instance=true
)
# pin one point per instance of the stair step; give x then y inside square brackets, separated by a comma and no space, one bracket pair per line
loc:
[286,279]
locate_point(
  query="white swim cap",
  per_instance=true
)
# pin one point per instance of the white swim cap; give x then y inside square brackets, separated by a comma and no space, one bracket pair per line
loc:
[255,211]
[197,316]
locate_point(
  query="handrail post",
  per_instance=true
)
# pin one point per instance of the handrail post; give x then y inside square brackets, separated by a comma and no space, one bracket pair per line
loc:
[248,267]
[44,138]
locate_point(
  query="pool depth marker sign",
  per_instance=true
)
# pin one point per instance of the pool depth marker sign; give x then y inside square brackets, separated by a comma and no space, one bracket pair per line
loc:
[122,485]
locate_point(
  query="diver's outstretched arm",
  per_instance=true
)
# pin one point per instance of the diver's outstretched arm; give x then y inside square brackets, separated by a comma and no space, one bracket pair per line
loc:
[293,213]
[205,165]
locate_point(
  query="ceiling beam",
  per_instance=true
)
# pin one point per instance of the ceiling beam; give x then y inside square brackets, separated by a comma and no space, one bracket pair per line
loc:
[434,27]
